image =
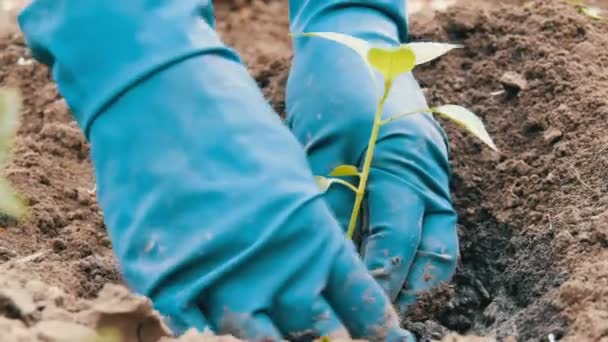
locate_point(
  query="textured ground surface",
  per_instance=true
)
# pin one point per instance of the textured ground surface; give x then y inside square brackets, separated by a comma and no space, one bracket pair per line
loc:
[533,218]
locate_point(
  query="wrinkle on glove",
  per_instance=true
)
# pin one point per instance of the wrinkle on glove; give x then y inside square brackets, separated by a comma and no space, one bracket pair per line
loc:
[407,233]
[208,198]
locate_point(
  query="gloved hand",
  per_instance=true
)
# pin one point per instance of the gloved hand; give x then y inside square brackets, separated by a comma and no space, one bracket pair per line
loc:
[209,202]
[408,236]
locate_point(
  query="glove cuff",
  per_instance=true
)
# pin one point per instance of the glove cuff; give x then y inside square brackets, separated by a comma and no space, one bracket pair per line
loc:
[97,49]
[384,21]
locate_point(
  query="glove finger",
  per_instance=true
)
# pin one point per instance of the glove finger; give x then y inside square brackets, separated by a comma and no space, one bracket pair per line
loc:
[392,237]
[436,259]
[300,319]
[359,302]
[249,326]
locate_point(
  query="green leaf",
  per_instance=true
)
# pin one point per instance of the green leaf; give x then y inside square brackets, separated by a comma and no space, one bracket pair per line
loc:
[344,170]
[389,61]
[10,111]
[10,203]
[468,120]
[427,51]
[592,12]
[358,45]
[392,61]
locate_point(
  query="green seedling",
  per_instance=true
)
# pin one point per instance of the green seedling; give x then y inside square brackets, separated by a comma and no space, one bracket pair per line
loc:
[592,12]
[10,111]
[390,62]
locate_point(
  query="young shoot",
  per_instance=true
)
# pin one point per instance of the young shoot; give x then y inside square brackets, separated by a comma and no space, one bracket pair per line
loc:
[391,62]
[592,12]
[10,111]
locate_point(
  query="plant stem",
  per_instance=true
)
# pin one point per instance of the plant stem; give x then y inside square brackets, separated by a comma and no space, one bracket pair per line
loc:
[346,184]
[367,163]
[401,116]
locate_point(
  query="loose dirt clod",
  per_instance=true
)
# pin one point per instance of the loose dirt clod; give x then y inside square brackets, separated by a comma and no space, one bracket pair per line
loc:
[513,82]
[533,219]
[552,135]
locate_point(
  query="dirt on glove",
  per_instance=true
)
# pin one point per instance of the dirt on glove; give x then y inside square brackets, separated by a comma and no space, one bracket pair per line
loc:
[533,217]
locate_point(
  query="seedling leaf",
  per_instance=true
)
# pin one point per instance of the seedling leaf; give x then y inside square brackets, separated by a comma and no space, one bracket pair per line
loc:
[592,12]
[344,170]
[10,110]
[427,51]
[358,45]
[10,203]
[393,61]
[468,120]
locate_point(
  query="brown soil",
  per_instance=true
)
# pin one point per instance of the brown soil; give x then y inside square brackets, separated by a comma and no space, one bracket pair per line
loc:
[533,218]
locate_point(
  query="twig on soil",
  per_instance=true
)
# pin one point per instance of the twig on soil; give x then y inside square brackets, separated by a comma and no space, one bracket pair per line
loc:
[525,230]
[25,259]
[32,257]
[512,192]
[578,176]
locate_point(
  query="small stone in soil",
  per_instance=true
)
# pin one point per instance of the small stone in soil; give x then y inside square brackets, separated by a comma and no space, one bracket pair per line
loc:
[513,82]
[552,135]
[82,196]
[521,167]
[105,241]
[75,215]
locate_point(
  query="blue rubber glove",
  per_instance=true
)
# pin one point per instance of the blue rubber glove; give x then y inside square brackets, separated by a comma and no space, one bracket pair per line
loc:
[208,198]
[408,235]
